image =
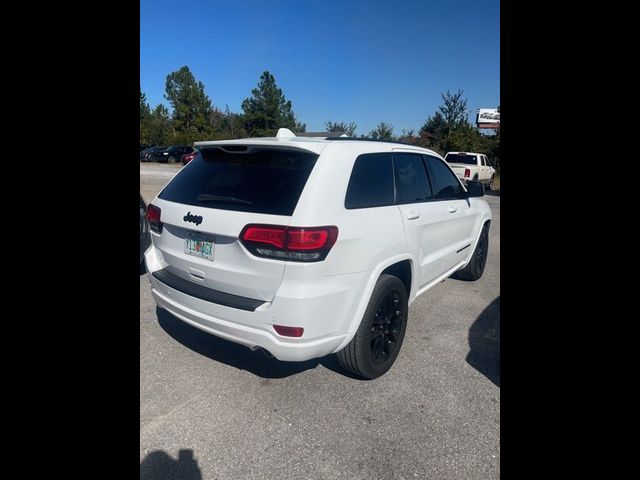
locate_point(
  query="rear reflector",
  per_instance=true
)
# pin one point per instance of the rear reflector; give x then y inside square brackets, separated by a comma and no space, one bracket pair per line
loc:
[288,331]
[153,217]
[301,244]
[467,172]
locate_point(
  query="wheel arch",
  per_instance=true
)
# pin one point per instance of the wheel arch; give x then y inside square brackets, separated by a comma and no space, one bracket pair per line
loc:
[486,220]
[404,271]
[398,264]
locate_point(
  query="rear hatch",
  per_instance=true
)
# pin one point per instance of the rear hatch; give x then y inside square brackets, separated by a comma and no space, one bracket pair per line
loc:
[208,203]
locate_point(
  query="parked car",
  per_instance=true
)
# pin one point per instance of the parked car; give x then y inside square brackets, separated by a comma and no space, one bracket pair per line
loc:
[187,157]
[173,154]
[472,166]
[147,154]
[145,238]
[303,247]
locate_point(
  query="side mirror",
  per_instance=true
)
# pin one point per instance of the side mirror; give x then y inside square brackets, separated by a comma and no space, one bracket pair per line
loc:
[475,189]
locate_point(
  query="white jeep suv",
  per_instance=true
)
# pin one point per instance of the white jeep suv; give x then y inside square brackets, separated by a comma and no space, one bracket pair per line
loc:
[309,246]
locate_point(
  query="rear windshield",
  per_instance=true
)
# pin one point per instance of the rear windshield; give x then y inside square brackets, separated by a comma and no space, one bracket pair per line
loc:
[261,181]
[458,158]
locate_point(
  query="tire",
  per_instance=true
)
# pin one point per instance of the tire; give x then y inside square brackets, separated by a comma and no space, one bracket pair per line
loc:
[475,267]
[375,346]
[171,159]
[490,184]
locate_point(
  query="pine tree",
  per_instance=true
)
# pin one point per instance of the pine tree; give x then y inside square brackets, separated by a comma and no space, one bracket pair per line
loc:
[267,109]
[191,106]
[341,127]
[384,131]
[160,122]
[145,119]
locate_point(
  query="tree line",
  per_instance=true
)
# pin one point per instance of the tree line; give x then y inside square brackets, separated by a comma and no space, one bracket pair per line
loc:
[195,118]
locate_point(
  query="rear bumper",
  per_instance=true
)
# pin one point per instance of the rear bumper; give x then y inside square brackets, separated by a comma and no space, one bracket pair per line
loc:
[324,315]
[250,337]
[467,180]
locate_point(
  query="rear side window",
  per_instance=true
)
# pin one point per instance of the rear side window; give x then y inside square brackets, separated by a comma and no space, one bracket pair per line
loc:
[412,184]
[444,182]
[261,180]
[371,183]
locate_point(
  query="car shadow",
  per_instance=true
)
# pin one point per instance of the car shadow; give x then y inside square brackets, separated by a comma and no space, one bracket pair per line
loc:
[237,355]
[158,465]
[484,342]
[492,193]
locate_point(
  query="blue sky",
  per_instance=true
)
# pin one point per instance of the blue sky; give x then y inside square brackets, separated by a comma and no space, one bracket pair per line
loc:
[362,61]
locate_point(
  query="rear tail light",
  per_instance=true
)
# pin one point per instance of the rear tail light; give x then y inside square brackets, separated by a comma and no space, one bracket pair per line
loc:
[275,236]
[309,239]
[288,331]
[188,157]
[153,217]
[300,244]
[467,172]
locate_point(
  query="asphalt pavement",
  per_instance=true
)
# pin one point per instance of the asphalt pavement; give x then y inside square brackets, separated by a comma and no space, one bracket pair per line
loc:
[211,409]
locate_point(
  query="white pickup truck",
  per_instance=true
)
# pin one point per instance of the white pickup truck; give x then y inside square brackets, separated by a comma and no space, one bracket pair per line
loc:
[471,166]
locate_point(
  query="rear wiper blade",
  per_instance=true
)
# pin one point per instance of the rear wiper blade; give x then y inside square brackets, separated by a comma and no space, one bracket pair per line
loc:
[207,197]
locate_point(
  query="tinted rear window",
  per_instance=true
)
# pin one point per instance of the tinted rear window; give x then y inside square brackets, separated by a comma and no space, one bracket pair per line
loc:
[465,159]
[371,182]
[261,181]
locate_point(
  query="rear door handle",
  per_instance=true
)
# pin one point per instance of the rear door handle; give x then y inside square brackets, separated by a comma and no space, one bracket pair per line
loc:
[413,215]
[452,210]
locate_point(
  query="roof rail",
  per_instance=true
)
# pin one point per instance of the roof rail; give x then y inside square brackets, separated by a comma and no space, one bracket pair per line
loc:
[373,140]
[321,134]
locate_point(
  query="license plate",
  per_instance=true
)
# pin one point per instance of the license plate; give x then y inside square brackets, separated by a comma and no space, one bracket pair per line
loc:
[199,247]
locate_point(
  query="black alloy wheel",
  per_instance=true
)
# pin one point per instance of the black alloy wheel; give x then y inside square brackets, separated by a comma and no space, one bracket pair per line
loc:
[386,327]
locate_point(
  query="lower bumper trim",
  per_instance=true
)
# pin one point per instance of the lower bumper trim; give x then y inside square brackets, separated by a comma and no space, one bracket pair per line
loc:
[206,294]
